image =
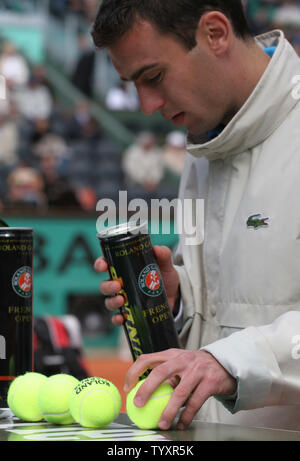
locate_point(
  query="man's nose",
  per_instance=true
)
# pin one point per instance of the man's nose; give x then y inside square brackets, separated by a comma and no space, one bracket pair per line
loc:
[151,100]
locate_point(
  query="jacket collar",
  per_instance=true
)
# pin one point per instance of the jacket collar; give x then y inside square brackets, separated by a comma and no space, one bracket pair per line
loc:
[265,109]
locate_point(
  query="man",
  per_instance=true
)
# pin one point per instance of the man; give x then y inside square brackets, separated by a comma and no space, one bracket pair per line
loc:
[197,63]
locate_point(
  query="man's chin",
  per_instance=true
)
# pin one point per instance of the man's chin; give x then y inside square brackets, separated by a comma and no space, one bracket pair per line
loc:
[196,135]
[196,138]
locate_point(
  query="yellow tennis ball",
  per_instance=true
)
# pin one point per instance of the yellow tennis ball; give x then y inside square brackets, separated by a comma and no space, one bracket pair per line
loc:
[148,416]
[54,396]
[22,396]
[95,402]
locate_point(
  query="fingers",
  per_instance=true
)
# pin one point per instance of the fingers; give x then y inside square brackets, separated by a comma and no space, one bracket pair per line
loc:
[173,381]
[153,381]
[114,303]
[110,288]
[163,255]
[191,393]
[100,265]
[143,363]
[195,402]
[199,376]
[164,368]
[117,320]
[183,395]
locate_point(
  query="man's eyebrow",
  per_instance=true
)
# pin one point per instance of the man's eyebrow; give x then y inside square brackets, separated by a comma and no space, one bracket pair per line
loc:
[139,72]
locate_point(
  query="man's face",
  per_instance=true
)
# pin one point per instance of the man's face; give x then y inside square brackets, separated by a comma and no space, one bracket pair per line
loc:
[184,85]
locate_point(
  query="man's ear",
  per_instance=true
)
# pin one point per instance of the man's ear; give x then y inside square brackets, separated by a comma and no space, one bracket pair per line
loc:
[215,31]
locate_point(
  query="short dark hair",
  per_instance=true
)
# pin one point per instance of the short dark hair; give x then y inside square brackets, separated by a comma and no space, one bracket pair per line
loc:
[177,17]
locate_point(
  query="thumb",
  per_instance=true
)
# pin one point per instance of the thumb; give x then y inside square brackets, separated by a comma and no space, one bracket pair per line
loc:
[163,256]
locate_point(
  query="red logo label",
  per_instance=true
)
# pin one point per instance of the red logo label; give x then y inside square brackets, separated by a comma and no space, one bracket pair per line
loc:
[22,281]
[25,282]
[152,280]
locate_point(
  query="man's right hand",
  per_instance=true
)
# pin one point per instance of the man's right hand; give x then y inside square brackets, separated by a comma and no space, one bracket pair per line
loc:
[111,288]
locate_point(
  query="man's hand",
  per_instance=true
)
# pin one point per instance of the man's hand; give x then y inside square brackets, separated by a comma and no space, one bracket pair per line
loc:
[111,288]
[198,376]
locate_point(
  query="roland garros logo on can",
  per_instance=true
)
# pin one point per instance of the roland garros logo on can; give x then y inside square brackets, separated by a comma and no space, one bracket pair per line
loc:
[22,281]
[149,280]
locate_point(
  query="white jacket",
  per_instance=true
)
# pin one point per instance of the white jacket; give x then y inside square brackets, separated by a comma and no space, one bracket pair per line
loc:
[241,288]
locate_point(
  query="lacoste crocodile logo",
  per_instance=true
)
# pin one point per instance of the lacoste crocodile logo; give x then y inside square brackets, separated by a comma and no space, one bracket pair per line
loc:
[256,221]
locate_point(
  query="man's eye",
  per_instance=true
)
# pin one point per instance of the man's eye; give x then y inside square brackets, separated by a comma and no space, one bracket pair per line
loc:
[155,79]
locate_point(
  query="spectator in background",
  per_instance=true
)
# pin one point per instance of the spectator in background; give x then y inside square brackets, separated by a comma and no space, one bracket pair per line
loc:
[260,14]
[81,125]
[84,70]
[40,127]
[85,9]
[57,189]
[52,145]
[142,163]
[53,158]
[58,8]
[122,97]
[175,151]
[39,72]
[86,196]
[25,188]
[296,43]
[287,14]
[75,7]
[35,100]
[13,67]
[89,8]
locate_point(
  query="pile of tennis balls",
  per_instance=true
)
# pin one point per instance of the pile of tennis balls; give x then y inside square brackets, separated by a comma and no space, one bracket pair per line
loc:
[63,399]
[93,402]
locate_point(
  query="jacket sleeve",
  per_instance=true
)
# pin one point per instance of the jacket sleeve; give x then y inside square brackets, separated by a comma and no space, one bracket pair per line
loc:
[265,362]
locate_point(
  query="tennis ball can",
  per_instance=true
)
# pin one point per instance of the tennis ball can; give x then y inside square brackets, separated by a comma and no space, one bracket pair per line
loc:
[148,320]
[16,310]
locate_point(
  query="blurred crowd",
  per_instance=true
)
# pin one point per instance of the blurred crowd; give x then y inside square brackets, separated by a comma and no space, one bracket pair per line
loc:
[85,9]
[53,156]
[265,15]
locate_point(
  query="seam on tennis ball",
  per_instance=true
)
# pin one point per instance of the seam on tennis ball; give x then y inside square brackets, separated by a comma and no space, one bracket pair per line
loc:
[57,414]
[97,390]
[63,380]
[14,392]
[160,396]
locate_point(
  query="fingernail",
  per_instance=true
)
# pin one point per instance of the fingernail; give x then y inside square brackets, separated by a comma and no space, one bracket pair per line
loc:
[181,427]
[99,265]
[116,286]
[138,401]
[163,425]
